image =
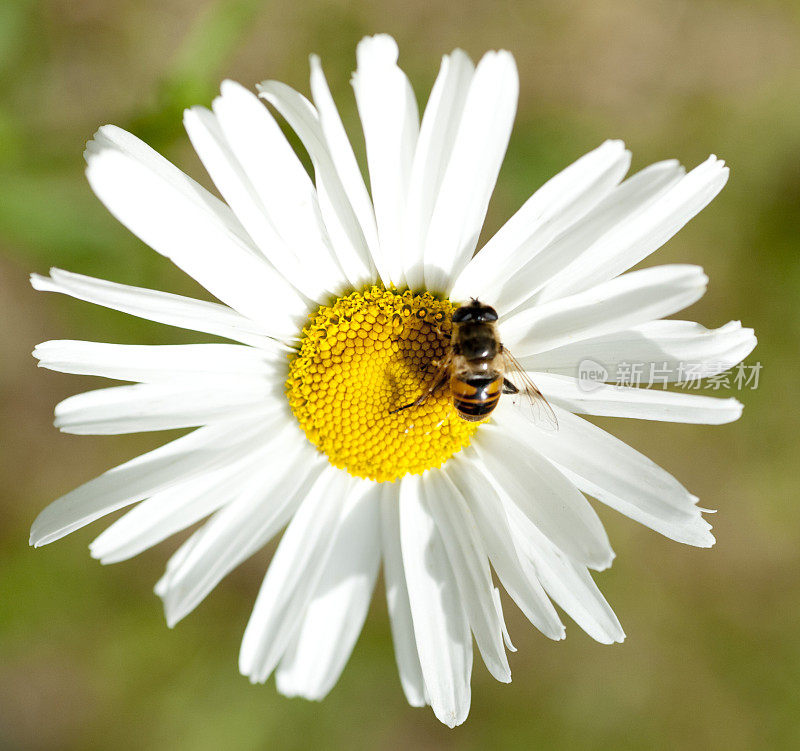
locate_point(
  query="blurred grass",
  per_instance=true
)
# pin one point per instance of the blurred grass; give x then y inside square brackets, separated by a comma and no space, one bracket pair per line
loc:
[712,658]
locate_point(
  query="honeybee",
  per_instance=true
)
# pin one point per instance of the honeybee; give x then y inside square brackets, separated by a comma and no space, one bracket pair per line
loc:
[476,367]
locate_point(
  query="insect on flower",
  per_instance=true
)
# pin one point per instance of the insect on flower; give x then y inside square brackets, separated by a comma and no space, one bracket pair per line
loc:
[476,369]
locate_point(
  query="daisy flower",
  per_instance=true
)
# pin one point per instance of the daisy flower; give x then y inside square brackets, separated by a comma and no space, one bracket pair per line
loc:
[336,301]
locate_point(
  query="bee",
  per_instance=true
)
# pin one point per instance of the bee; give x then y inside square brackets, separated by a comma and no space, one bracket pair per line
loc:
[476,368]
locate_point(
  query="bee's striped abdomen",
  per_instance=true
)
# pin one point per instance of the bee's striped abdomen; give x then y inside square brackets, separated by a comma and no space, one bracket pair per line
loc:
[475,397]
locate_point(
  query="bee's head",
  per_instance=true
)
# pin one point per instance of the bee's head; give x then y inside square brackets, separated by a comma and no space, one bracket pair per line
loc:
[474,312]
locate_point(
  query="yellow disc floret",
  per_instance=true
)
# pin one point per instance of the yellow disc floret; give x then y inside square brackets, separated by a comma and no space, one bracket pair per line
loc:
[360,358]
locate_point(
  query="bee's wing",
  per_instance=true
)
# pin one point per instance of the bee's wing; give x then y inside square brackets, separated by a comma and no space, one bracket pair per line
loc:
[530,400]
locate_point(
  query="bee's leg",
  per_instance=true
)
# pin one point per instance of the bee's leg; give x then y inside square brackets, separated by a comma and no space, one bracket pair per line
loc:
[422,398]
[509,388]
[426,368]
[441,377]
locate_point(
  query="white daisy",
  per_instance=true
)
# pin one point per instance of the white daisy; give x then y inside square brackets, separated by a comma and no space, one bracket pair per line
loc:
[334,297]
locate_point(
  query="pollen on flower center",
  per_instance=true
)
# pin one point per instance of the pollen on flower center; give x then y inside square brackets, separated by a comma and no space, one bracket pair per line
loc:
[362,357]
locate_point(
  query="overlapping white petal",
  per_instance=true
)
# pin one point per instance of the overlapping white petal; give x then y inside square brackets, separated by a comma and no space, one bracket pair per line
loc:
[591,398]
[294,573]
[547,253]
[390,121]
[261,508]
[441,628]
[205,449]
[180,403]
[250,162]
[157,363]
[157,203]
[614,473]
[437,136]
[674,348]
[561,202]
[403,638]
[336,613]
[542,493]
[162,307]
[516,574]
[282,184]
[567,581]
[343,222]
[478,148]
[117,139]
[169,511]
[341,153]
[629,300]
[470,566]
[645,230]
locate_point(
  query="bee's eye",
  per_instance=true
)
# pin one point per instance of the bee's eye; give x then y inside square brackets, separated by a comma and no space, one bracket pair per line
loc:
[475,312]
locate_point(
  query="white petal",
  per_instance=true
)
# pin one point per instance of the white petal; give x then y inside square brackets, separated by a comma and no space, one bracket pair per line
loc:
[566,581]
[338,609]
[633,240]
[499,607]
[239,529]
[153,363]
[470,566]
[390,120]
[180,226]
[162,307]
[436,138]
[478,151]
[341,152]
[162,515]
[557,205]
[440,624]
[204,449]
[671,346]
[164,170]
[629,300]
[617,210]
[614,473]
[281,181]
[233,183]
[341,221]
[172,510]
[516,574]
[260,214]
[590,398]
[293,574]
[405,643]
[166,406]
[620,205]
[552,503]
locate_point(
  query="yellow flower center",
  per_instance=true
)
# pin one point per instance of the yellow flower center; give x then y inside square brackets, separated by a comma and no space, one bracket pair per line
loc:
[364,356]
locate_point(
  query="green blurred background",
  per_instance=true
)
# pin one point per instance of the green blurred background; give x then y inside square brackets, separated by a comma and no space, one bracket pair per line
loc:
[712,658]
